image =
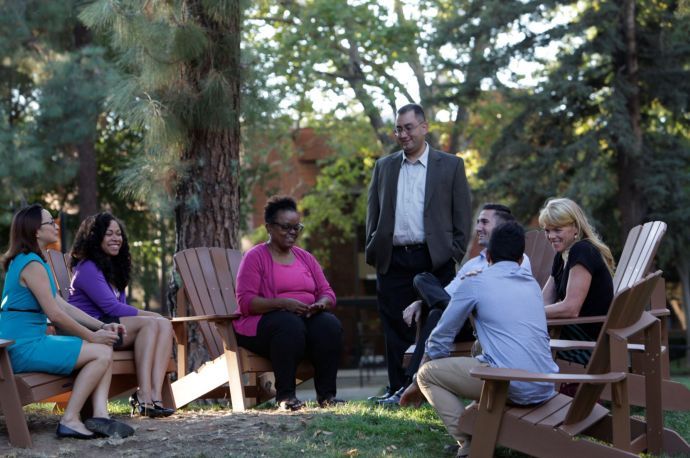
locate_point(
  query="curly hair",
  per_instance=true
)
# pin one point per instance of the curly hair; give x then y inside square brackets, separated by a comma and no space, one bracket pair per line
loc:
[87,245]
[277,204]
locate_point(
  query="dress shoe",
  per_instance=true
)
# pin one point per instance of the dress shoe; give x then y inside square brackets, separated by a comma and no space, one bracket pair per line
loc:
[67,432]
[464,449]
[330,402]
[107,427]
[145,409]
[393,399]
[290,405]
[386,394]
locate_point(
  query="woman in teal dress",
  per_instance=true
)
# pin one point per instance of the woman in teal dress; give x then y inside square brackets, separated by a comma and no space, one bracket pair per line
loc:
[28,300]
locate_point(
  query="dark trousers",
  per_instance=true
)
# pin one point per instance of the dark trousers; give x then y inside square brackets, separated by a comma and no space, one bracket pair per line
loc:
[434,301]
[286,339]
[395,291]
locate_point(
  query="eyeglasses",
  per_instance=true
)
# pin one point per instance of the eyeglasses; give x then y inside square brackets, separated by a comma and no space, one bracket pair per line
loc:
[290,227]
[51,222]
[407,129]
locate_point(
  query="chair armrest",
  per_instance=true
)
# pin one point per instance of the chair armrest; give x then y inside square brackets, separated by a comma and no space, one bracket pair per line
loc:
[518,375]
[659,312]
[5,343]
[562,345]
[576,320]
[185,319]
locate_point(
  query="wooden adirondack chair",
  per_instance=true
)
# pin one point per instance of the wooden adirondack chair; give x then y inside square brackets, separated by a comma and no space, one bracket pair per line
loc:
[636,260]
[208,277]
[556,427]
[124,369]
[540,253]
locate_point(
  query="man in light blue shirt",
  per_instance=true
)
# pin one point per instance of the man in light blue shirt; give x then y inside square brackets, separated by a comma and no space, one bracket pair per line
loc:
[435,298]
[510,322]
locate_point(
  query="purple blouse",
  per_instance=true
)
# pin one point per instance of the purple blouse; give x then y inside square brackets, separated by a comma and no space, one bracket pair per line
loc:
[91,293]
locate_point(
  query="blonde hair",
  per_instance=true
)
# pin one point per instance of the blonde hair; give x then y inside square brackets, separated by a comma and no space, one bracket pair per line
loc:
[559,212]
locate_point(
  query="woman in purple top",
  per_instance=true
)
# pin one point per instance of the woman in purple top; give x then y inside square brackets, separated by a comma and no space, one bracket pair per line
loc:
[102,265]
[285,303]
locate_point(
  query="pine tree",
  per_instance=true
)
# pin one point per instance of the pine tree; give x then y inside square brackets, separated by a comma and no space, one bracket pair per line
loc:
[608,126]
[181,87]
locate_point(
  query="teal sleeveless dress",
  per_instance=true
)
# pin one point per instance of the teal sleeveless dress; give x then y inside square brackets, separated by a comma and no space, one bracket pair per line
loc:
[23,320]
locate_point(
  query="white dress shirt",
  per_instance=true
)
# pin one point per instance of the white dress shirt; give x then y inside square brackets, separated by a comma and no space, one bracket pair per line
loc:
[409,204]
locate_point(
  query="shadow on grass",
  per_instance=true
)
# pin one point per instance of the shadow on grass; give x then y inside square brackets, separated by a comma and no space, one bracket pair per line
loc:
[360,429]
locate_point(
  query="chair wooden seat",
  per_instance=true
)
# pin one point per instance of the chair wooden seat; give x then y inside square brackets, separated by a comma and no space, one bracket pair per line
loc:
[209,278]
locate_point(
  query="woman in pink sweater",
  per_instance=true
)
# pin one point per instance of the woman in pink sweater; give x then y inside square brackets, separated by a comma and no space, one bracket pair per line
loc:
[285,302]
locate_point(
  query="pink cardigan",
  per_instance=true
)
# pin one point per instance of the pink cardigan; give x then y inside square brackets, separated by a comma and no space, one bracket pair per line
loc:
[255,278]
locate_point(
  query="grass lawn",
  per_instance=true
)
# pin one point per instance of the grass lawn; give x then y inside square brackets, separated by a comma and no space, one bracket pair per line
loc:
[360,429]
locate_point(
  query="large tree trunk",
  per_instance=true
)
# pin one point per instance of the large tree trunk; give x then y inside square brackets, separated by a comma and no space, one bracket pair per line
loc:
[207,210]
[207,194]
[87,179]
[88,170]
[630,199]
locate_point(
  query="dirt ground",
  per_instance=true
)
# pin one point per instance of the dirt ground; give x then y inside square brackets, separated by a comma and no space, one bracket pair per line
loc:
[189,433]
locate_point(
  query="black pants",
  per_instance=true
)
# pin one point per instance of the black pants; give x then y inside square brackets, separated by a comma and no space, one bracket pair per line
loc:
[395,291]
[434,301]
[286,339]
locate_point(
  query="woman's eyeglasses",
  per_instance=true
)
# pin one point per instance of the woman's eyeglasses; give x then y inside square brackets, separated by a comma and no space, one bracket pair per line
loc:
[290,227]
[51,223]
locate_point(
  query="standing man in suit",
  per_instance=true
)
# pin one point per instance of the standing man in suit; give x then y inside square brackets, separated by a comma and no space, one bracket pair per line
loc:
[418,220]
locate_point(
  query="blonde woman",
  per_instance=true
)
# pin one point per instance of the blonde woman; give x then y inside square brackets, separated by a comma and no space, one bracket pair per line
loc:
[580,283]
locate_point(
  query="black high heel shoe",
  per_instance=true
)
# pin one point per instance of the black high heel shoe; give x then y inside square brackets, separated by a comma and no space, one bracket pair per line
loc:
[164,410]
[144,410]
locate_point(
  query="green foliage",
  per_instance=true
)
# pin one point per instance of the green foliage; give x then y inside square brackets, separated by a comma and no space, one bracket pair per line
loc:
[175,80]
[576,133]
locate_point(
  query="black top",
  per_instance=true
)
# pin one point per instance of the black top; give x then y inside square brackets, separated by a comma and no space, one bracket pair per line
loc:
[600,291]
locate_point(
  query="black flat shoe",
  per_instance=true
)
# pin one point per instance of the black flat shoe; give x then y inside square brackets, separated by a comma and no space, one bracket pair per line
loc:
[64,432]
[107,427]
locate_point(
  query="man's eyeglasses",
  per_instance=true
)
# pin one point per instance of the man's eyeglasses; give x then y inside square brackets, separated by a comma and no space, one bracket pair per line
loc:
[290,227]
[51,222]
[407,129]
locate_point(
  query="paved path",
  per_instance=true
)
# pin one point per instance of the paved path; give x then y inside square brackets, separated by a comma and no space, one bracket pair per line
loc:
[349,387]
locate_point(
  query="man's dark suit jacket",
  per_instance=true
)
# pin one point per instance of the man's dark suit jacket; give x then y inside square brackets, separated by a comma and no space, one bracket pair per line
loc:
[447,209]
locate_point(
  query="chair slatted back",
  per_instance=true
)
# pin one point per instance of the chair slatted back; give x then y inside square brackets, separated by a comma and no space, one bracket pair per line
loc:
[209,277]
[626,309]
[62,275]
[638,253]
[541,254]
